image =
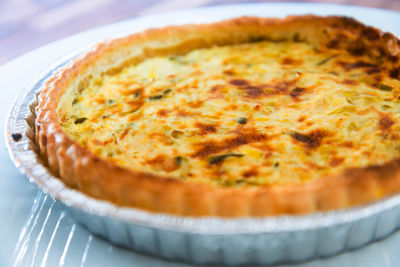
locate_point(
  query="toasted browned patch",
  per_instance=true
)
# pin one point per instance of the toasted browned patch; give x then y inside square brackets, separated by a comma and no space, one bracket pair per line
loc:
[254,91]
[385,122]
[265,147]
[239,82]
[162,112]
[373,70]
[350,82]
[291,61]
[356,65]
[176,133]
[135,104]
[333,44]
[337,40]
[206,128]
[249,173]
[186,113]
[348,144]
[207,148]
[357,49]
[394,136]
[313,165]
[296,92]
[395,73]
[312,139]
[393,58]
[279,87]
[257,107]
[161,138]
[195,104]
[301,118]
[336,161]
[229,72]
[370,34]
[275,88]
[100,100]
[164,163]
[232,107]
[124,133]
[215,88]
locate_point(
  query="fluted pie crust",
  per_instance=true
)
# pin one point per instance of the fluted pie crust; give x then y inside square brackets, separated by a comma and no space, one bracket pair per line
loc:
[81,169]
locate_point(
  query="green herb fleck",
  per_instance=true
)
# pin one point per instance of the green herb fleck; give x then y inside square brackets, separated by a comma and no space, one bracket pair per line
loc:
[155,97]
[385,87]
[397,148]
[75,101]
[80,120]
[167,91]
[255,39]
[179,60]
[296,37]
[276,165]
[178,160]
[242,120]
[176,133]
[110,102]
[322,62]
[158,97]
[220,158]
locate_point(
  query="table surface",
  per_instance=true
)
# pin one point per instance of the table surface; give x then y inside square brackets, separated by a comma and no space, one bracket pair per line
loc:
[28,24]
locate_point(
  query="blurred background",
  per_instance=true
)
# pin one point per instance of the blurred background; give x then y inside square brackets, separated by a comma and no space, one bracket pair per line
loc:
[28,24]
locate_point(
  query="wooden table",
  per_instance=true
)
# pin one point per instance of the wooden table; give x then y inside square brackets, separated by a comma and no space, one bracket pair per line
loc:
[28,24]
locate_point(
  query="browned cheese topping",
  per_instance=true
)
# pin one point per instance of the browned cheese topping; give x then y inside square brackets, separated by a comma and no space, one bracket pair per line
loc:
[242,115]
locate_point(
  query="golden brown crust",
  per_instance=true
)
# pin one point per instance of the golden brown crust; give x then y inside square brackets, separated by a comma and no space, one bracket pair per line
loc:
[81,169]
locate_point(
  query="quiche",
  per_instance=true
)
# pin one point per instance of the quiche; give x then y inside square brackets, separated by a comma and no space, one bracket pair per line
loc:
[245,117]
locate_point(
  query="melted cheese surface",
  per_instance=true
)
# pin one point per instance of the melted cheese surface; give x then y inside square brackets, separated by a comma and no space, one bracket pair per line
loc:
[241,115]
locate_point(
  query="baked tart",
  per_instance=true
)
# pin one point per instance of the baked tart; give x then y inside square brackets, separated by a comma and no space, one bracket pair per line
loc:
[244,117]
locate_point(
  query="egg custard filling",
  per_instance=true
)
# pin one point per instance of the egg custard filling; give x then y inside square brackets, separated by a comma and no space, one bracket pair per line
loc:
[241,115]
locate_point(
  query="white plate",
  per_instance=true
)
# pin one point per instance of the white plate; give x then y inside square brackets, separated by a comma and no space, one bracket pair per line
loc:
[35,231]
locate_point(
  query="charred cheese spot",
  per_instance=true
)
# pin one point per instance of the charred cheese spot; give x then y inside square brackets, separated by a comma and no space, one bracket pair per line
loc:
[239,82]
[350,82]
[211,147]
[334,162]
[356,65]
[250,173]
[296,92]
[291,61]
[206,128]
[254,91]
[259,113]
[310,140]
[385,122]
[395,73]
